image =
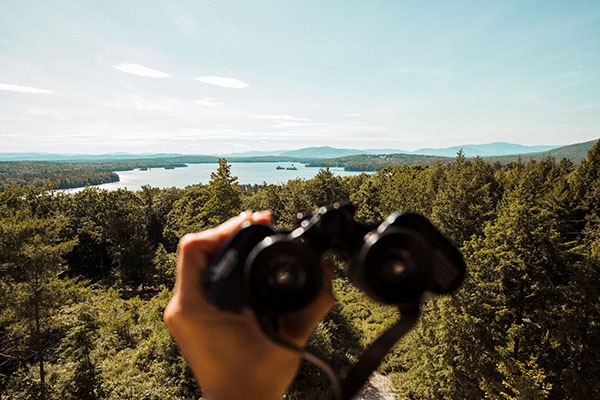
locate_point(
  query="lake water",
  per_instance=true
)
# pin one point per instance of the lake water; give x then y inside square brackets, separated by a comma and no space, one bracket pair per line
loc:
[250,173]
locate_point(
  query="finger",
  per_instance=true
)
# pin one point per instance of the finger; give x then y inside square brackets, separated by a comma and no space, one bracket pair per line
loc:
[197,249]
[262,217]
[211,240]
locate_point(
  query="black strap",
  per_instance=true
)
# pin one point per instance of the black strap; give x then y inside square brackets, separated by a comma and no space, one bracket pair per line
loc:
[372,356]
[368,361]
[270,325]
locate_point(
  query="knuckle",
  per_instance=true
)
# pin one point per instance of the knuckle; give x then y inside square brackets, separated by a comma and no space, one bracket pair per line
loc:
[186,240]
[172,313]
[189,243]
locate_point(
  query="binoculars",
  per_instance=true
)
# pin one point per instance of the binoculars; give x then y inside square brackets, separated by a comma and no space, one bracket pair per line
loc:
[273,272]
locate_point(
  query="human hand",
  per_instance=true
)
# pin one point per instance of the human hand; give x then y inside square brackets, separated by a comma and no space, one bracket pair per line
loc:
[228,353]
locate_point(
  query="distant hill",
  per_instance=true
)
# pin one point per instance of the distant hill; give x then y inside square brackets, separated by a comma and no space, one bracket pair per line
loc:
[483,150]
[307,154]
[311,152]
[375,162]
[385,151]
[326,152]
[575,152]
[321,152]
[368,162]
[252,154]
[269,159]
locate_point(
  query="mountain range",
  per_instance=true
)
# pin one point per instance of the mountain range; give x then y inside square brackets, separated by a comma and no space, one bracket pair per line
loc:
[470,150]
[307,153]
[372,162]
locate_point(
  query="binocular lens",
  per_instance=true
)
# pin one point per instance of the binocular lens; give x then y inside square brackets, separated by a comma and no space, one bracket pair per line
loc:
[393,267]
[282,275]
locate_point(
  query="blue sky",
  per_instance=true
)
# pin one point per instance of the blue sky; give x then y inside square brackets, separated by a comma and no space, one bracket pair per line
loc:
[228,76]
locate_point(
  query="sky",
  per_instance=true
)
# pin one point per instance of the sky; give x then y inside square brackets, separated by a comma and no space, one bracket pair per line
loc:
[207,77]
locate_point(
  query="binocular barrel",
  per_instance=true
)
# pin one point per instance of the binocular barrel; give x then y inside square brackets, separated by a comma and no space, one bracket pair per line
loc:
[274,272]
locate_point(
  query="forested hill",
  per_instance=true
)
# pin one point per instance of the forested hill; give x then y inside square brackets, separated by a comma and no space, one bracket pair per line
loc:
[85,278]
[68,174]
[574,152]
[375,162]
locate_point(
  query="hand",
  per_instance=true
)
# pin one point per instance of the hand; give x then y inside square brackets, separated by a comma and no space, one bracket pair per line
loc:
[228,353]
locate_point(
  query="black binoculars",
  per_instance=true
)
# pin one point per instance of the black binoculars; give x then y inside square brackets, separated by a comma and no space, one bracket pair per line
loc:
[274,272]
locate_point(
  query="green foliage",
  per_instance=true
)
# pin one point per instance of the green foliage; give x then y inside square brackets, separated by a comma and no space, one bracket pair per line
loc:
[466,200]
[270,197]
[187,215]
[112,232]
[158,203]
[70,174]
[521,380]
[225,196]
[80,311]
[164,265]
[77,376]
[30,263]
[203,207]
[376,162]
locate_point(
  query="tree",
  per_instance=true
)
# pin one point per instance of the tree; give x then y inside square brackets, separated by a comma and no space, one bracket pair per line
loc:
[225,196]
[325,189]
[368,201]
[79,377]
[164,267]
[128,244]
[31,262]
[186,216]
[158,203]
[202,207]
[467,200]
[270,197]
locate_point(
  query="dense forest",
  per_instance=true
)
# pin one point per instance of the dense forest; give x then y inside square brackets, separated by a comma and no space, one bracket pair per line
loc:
[69,174]
[84,279]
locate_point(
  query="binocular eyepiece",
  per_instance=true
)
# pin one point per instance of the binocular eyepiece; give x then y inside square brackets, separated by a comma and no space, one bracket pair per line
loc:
[274,272]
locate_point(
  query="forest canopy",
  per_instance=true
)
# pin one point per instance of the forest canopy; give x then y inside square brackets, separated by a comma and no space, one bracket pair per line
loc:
[68,174]
[84,279]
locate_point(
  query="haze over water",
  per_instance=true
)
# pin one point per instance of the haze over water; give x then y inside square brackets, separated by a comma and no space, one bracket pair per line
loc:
[247,173]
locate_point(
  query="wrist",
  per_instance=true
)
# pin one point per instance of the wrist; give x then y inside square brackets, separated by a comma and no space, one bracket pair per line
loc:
[261,380]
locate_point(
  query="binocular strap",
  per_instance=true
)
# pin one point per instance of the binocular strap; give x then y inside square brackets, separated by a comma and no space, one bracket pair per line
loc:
[368,361]
[372,356]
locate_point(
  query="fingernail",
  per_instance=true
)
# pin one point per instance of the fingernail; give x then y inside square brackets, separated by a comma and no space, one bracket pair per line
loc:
[245,214]
[260,214]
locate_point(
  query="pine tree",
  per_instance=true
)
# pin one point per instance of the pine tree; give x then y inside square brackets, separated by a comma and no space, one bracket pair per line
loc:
[225,196]
[203,207]
[31,251]
[79,378]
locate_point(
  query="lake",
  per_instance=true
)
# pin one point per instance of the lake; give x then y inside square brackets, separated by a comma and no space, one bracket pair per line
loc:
[250,173]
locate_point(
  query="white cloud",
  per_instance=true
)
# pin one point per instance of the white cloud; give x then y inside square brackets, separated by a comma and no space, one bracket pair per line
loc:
[209,102]
[23,89]
[140,70]
[281,117]
[223,81]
